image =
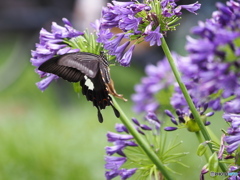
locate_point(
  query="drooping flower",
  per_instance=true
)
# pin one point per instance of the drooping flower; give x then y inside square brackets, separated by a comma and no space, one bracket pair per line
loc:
[149,20]
[233,133]
[51,44]
[130,156]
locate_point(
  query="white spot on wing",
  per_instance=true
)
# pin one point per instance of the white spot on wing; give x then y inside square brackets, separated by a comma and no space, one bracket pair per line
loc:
[89,83]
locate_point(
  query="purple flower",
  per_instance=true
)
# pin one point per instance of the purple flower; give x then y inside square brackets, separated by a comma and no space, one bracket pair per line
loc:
[118,149]
[51,44]
[114,162]
[170,8]
[112,45]
[233,137]
[154,37]
[125,60]
[127,173]
[121,128]
[129,23]
[158,78]
[43,84]
[115,136]
[190,7]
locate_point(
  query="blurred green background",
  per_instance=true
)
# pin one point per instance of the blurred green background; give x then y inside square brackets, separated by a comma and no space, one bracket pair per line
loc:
[55,134]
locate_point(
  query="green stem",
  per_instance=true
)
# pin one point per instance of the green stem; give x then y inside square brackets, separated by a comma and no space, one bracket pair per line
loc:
[141,141]
[188,98]
[184,91]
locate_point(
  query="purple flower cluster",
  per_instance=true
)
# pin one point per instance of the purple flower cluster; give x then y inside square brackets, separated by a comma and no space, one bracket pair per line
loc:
[215,58]
[159,78]
[148,20]
[211,71]
[51,44]
[186,120]
[124,141]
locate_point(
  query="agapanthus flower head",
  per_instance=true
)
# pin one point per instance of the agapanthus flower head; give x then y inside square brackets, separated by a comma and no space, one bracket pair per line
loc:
[147,21]
[130,156]
[215,57]
[51,44]
[186,120]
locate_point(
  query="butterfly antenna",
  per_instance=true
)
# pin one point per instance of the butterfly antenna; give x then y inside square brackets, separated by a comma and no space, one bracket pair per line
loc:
[100,117]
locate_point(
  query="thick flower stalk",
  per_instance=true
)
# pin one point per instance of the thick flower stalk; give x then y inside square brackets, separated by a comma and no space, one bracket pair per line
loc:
[148,21]
[51,44]
[131,160]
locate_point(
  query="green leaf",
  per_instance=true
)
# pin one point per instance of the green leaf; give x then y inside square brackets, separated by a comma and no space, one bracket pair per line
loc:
[213,163]
[201,149]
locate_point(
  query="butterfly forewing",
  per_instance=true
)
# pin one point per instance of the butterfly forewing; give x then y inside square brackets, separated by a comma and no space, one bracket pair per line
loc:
[87,63]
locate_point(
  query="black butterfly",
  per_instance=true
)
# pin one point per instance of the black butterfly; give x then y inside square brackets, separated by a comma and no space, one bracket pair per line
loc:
[92,71]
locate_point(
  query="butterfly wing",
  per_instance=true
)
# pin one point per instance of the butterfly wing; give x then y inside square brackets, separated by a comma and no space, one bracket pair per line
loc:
[87,63]
[72,67]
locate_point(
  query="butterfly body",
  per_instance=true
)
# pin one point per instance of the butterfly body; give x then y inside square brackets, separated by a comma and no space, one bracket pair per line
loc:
[92,71]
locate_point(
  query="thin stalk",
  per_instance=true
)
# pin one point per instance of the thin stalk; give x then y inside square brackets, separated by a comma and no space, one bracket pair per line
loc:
[192,107]
[142,142]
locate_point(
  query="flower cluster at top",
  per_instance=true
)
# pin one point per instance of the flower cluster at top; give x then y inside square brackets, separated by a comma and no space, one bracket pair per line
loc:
[51,44]
[147,21]
[130,156]
[211,71]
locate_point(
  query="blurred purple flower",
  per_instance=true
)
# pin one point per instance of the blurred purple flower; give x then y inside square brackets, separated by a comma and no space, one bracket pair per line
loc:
[233,137]
[159,77]
[215,56]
